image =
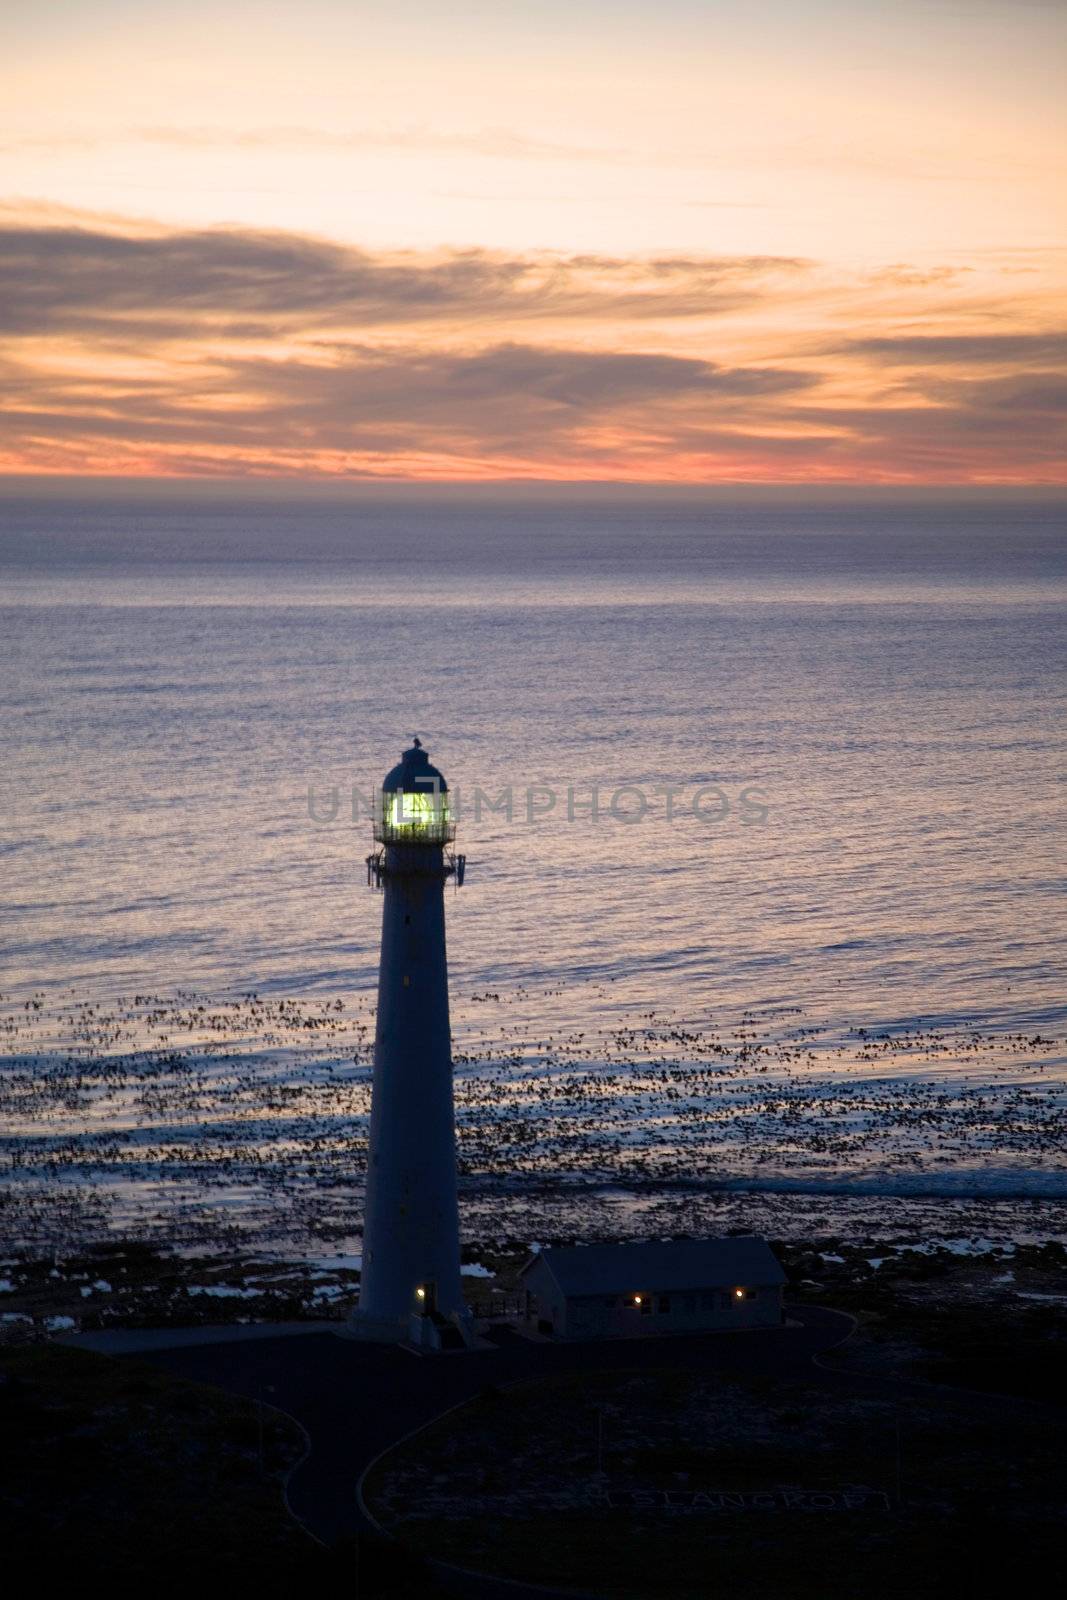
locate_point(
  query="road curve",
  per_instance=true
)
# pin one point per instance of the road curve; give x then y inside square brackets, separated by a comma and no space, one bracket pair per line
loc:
[356,1400]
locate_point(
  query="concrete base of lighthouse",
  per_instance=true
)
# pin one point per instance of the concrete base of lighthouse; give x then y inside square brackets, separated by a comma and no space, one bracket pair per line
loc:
[374,1330]
[421,1332]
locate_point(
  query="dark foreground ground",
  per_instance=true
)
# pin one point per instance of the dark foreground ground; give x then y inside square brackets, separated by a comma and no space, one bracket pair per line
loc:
[177,1463]
[685,1483]
[111,1467]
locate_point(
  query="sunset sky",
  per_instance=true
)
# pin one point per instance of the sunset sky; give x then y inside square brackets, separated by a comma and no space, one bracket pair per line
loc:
[695,241]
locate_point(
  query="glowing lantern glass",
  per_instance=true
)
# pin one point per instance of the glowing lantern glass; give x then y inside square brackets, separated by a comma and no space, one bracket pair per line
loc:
[414,811]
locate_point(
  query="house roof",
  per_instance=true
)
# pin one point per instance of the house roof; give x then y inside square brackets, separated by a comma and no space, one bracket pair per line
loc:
[685,1264]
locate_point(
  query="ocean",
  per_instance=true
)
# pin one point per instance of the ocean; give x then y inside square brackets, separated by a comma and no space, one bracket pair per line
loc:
[780,771]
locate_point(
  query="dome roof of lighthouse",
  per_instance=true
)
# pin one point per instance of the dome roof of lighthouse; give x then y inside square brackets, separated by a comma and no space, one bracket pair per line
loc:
[414,774]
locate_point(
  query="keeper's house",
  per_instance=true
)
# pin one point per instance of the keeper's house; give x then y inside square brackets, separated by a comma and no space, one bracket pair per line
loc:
[604,1291]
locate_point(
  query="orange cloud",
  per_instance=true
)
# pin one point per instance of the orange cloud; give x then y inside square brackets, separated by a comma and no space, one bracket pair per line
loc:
[142,350]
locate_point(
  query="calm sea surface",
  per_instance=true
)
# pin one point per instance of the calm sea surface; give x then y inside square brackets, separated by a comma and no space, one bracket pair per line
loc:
[889,682]
[826,746]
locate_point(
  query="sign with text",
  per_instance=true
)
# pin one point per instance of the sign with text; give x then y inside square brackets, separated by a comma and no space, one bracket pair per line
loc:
[850,1499]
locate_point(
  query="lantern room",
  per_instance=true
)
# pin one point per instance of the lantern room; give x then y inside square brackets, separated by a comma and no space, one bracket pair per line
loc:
[414,803]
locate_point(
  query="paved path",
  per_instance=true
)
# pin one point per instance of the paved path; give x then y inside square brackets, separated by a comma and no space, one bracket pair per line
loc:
[138,1341]
[355,1400]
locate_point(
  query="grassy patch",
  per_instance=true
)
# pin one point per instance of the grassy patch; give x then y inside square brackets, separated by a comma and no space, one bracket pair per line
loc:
[512,1485]
[111,1467]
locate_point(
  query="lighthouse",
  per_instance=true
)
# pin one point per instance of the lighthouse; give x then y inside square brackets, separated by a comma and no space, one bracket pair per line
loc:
[410,1286]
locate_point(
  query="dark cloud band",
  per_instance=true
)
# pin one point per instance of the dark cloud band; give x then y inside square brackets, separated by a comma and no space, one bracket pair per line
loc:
[77,277]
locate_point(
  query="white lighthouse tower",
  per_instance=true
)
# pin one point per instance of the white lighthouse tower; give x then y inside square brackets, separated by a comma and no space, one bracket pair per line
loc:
[410,1287]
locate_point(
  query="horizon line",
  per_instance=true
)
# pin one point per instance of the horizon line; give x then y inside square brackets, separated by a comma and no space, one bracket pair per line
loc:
[39,485]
